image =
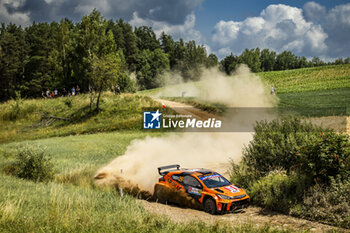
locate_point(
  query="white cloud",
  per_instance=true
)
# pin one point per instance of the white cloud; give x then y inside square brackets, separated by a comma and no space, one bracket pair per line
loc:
[226,32]
[311,31]
[21,18]
[279,27]
[314,11]
[186,31]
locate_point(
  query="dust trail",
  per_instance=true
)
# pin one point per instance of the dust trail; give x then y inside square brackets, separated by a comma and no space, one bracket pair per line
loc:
[137,168]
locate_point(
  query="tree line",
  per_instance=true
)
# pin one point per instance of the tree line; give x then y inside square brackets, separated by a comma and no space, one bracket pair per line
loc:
[267,60]
[98,54]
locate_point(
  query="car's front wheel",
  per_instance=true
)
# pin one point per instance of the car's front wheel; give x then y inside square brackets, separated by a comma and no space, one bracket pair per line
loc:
[160,194]
[209,206]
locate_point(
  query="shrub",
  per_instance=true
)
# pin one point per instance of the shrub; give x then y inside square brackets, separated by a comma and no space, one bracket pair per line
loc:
[325,156]
[278,191]
[68,102]
[330,204]
[32,164]
[275,145]
[291,144]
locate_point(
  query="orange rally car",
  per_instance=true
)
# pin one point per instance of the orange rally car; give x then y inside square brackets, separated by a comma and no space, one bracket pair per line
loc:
[201,188]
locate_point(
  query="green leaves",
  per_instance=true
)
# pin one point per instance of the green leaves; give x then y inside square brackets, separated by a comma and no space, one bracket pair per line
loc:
[33,164]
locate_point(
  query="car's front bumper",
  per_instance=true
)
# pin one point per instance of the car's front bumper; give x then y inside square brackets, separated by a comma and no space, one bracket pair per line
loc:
[230,206]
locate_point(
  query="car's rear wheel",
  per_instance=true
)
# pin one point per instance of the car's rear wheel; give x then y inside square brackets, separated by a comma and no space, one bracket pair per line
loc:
[209,206]
[160,194]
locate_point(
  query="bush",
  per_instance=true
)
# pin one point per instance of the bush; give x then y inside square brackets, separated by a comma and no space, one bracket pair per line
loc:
[32,164]
[68,102]
[291,144]
[325,156]
[327,204]
[278,191]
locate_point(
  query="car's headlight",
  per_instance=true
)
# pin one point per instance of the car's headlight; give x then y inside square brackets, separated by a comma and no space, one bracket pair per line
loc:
[230,198]
[224,197]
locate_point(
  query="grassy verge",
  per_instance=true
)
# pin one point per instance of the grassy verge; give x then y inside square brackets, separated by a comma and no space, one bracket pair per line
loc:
[43,118]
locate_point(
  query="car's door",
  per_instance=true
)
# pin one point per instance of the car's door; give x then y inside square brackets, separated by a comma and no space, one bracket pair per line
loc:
[192,186]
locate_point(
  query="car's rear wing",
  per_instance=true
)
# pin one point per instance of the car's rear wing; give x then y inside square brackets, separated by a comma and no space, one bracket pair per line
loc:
[167,168]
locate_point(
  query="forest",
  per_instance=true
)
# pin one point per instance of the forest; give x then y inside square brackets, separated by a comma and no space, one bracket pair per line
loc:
[98,54]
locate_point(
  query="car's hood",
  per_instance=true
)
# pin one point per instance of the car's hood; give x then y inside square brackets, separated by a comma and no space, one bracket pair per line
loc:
[230,190]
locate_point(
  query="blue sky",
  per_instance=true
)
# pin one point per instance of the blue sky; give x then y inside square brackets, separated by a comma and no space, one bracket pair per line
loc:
[307,28]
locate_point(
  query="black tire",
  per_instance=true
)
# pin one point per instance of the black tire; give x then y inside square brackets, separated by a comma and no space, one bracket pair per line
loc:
[160,194]
[209,206]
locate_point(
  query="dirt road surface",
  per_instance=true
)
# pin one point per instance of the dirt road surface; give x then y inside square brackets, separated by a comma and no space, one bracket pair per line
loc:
[252,215]
[186,109]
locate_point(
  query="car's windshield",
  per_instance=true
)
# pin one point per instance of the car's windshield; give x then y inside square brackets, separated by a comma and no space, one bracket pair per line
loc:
[214,180]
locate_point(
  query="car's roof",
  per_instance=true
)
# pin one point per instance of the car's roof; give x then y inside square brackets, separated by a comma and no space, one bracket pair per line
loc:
[196,171]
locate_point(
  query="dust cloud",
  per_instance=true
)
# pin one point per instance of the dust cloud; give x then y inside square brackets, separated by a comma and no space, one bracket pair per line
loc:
[138,166]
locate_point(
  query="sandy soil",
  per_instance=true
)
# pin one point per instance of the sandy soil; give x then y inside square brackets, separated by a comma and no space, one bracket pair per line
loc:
[251,215]
[338,123]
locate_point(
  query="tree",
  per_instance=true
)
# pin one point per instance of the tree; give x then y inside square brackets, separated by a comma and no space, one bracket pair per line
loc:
[13,57]
[316,61]
[149,65]
[251,58]
[302,62]
[267,59]
[286,60]
[41,68]
[212,61]
[169,47]
[228,64]
[105,73]
[194,59]
[146,38]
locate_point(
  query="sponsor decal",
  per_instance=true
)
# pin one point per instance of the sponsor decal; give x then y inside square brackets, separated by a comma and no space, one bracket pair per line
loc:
[232,189]
[209,176]
[194,191]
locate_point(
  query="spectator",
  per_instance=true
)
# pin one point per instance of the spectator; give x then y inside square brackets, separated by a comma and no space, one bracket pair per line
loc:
[73,91]
[117,89]
[78,90]
[273,90]
[56,92]
[43,94]
[65,92]
[48,93]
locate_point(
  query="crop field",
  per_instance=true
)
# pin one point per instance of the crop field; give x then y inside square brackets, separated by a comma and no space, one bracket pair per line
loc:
[309,79]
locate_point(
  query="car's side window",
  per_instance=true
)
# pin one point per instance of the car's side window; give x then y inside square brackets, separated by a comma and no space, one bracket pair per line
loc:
[177,178]
[191,181]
